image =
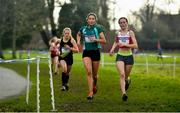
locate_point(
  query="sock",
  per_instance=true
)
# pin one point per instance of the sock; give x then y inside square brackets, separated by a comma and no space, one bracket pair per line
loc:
[63,78]
[67,79]
[95,81]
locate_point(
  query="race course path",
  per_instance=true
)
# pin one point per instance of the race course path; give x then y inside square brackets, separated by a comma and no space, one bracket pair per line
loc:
[11,84]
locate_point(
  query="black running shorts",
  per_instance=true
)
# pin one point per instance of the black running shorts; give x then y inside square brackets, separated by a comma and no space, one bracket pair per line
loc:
[68,59]
[93,54]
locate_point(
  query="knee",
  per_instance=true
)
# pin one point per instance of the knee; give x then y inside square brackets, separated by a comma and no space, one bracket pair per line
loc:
[64,70]
[89,73]
[122,75]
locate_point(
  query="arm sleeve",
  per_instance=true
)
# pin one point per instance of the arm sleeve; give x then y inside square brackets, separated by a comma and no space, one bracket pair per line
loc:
[100,28]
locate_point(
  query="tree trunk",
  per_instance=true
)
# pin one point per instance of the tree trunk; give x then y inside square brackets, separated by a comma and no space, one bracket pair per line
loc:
[14,34]
[2,21]
[51,18]
[14,42]
[44,37]
[1,51]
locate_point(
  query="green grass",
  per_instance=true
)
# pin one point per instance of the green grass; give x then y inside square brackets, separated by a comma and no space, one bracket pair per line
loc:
[156,91]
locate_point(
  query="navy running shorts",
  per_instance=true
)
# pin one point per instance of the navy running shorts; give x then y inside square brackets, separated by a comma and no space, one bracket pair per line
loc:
[128,60]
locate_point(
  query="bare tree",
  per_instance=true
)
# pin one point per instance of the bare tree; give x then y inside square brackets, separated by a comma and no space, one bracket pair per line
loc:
[146,13]
[3,6]
[51,18]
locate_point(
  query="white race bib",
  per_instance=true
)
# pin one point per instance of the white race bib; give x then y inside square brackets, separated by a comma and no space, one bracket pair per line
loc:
[65,51]
[90,39]
[123,40]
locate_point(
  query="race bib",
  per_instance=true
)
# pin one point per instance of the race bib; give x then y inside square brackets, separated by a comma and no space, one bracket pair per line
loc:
[64,52]
[123,40]
[90,39]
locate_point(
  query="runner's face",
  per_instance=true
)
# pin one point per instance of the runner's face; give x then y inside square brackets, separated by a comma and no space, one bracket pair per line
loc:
[66,34]
[123,24]
[91,20]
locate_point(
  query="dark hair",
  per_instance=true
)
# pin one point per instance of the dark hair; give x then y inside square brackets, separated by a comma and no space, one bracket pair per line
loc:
[123,18]
[93,14]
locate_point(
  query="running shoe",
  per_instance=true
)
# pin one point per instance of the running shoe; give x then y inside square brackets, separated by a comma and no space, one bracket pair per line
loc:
[90,98]
[66,87]
[63,88]
[124,97]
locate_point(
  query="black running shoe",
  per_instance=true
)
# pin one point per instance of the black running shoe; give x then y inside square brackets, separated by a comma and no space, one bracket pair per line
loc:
[63,88]
[67,87]
[124,97]
[127,83]
[90,98]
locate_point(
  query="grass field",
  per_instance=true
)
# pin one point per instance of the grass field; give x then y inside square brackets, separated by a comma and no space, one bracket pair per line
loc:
[155,91]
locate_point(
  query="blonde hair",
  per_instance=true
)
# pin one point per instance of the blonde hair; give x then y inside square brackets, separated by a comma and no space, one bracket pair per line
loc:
[68,29]
[53,39]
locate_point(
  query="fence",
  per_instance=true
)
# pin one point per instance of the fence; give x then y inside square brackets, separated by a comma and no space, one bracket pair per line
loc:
[37,59]
[147,63]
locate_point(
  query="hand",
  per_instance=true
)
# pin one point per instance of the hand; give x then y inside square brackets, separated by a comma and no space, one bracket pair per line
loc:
[80,47]
[93,39]
[111,53]
[120,44]
[58,53]
[78,43]
[66,46]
